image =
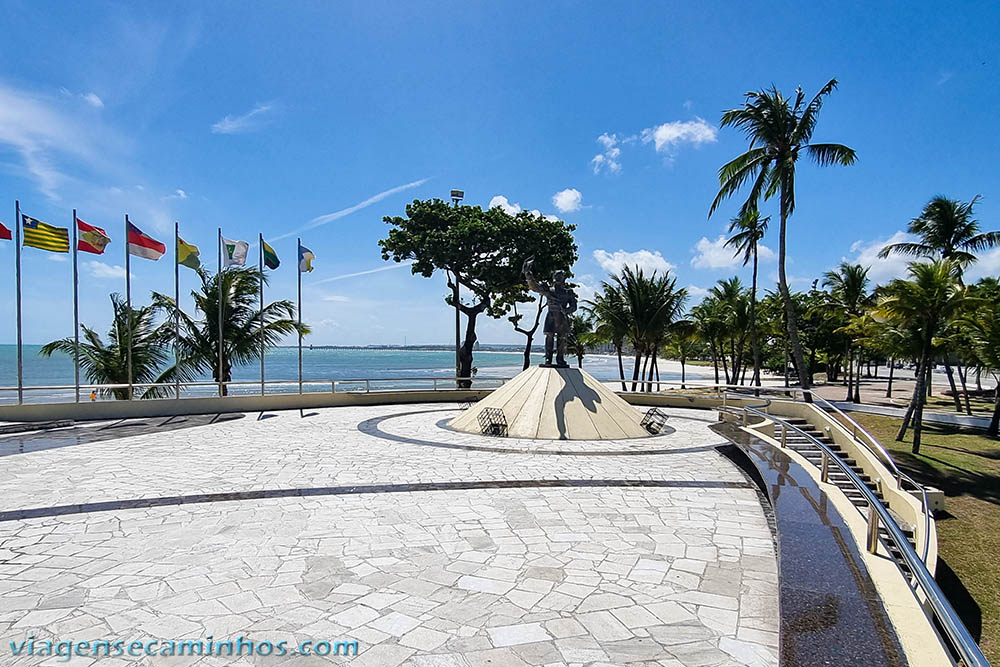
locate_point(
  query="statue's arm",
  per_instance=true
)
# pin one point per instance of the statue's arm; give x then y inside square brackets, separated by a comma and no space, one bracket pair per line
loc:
[530,279]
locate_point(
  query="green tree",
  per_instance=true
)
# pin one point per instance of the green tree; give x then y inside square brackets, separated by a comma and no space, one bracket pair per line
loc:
[779,130]
[849,297]
[480,251]
[247,329]
[924,304]
[611,319]
[747,231]
[107,363]
[580,337]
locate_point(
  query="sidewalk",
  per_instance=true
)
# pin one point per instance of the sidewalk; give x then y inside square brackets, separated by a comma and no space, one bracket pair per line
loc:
[929,417]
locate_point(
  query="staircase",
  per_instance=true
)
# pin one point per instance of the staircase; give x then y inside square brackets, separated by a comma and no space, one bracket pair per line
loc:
[802,445]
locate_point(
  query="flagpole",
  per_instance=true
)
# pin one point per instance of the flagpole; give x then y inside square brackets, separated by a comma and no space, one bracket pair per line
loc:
[298,254]
[260,266]
[177,309]
[219,280]
[17,251]
[128,306]
[76,312]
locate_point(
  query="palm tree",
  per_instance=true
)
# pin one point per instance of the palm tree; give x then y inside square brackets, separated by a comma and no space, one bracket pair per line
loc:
[246,329]
[733,307]
[709,318]
[611,321]
[749,229]
[107,364]
[779,130]
[653,303]
[947,230]
[925,304]
[849,297]
[581,335]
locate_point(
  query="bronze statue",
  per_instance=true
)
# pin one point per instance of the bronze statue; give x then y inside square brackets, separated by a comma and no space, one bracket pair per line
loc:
[561,303]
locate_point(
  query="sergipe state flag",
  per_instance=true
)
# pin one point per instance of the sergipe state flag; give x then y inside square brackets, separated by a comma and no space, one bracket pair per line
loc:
[271,260]
[142,245]
[188,255]
[44,236]
[5,233]
[234,253]
[91,239]
[306,257]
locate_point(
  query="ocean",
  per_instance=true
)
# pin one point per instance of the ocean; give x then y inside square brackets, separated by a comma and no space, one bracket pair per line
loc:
[319,367]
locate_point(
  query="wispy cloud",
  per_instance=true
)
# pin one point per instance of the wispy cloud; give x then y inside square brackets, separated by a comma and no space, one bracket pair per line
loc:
[363,273]
[607,160]
[252,120]
[667,136]
[102,271]
[320,220]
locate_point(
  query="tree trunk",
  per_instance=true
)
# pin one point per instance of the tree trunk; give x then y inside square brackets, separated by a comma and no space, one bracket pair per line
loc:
[636,367]
[753,322]
[725,368]
[857,382]
[527,351]
[792,325]
[892,370]
[849,374]
[682,372]
[786,362]
[994,427]
[951,383]
[656,367]
[465,351]
[621,366]
[917,391]
[715,359]
[642,375]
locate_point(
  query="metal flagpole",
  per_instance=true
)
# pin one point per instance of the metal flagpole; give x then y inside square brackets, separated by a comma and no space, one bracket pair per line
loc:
[298,255]
[177,308]
[260,266]
[219,280]
[17,251]
[76,312]
[128,306]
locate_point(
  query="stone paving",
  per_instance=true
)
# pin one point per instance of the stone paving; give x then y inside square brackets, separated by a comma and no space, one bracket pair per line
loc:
[594,572]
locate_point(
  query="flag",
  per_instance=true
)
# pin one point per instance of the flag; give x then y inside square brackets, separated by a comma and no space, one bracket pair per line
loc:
[44,236]
[306,257]
[188,255]
[270,257]
[4,232]
[91,239]
[141,245]
[234,253]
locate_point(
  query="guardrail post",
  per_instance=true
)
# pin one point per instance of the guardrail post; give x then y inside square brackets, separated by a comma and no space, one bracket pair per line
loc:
[333,386]
[824,471]
[872,530]
[745,417]
[435,384]
[368,386]
[784,435]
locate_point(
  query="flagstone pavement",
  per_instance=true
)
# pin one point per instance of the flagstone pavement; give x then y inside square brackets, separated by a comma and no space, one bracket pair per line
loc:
[428,546]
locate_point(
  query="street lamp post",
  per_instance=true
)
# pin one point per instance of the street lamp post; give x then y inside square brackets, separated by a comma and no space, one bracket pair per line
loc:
[456,197]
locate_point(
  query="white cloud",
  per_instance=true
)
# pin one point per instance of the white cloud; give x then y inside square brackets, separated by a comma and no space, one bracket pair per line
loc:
[508,207]
[567,200]
[103,271]
[880,271]
[336,215]
[252,120]
[608,158]
[696,293]
[715,255]
[667,136]
[988,265]
[93,100]
[647,260]
[177,194]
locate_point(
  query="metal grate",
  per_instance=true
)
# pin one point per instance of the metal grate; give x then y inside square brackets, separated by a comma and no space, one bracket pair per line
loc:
[653,421]
[492,421]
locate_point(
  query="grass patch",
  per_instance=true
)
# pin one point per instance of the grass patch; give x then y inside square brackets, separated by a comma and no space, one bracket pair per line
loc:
[980,405]
[966,466]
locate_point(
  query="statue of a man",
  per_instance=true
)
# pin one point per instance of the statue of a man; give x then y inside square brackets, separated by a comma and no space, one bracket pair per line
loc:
[561,303]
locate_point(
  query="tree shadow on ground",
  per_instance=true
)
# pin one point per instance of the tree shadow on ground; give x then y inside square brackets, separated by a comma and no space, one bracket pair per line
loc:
[963,602]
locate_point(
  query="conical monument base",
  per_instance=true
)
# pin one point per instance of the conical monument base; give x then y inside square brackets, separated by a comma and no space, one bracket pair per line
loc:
[550,403]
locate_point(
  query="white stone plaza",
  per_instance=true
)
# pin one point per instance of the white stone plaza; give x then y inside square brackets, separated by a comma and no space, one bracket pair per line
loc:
[381,524]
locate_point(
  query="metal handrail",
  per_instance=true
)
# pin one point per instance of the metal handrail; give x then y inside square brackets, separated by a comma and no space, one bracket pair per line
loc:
[946,615]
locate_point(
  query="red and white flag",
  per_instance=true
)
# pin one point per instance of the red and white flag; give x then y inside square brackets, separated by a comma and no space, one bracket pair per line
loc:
[91,239]
[142,245]
[4,233]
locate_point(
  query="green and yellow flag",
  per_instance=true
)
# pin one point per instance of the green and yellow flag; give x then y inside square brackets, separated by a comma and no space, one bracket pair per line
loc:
[44,236]
[270,257]
[187,255]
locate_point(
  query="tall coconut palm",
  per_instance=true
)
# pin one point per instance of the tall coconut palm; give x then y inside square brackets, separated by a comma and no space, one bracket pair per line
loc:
[925,304]
[107,363]
[611,321]
[747,231]
[779,130]
[849,297]
[733,304]
[246,329]
[946,230]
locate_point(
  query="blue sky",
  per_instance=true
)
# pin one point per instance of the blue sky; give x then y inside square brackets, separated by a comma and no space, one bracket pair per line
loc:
[323,117]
